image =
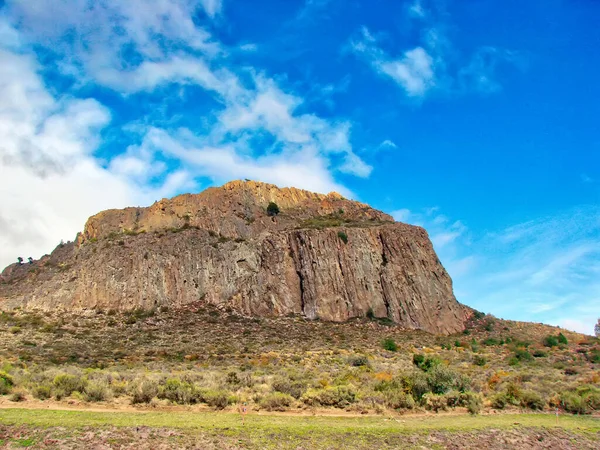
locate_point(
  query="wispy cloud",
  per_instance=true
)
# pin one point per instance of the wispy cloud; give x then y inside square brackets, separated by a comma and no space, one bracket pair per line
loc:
[433,65]
[585,178]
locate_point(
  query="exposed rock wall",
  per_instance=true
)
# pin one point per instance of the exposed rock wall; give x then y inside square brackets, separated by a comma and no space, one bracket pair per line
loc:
[323,257]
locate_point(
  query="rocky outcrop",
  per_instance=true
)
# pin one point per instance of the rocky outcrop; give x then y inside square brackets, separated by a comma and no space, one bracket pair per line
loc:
[323,257]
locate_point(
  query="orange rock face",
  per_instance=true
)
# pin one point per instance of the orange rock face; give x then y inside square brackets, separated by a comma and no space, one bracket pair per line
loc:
[323,257]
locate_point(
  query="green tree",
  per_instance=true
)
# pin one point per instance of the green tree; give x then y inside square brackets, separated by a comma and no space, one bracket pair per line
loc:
[389,344]
[272,209]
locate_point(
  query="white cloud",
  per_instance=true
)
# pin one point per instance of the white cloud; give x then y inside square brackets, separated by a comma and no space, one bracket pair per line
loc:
[212,7]
[580,326]
[127,46]
[414,71]
[586,178]
[403,215]
[249,47]
[305,169]
[387,144]
[49,139]
[433,65]
[480,73]
[416,9]
[51,182]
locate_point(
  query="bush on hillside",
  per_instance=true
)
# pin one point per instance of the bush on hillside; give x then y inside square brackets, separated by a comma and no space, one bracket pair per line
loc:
[144,391]
[272,209]
[389,344]
[550,341]
[276,401]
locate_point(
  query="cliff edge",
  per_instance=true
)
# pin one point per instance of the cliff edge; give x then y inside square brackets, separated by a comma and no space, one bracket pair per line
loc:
[323,257]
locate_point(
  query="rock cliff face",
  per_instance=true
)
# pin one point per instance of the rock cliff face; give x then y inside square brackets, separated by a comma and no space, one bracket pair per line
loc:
[322,256]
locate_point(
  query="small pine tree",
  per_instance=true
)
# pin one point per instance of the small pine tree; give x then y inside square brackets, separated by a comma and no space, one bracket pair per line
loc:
[389,344]
[272,209]
[20,260]
[562,339]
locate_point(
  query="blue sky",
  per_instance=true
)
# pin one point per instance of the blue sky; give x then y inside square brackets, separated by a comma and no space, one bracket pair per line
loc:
[477,120]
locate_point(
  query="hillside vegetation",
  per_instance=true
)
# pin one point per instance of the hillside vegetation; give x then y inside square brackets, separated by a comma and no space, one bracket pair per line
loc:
[207,358]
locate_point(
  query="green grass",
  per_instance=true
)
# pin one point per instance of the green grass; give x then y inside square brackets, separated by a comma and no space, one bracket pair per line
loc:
[298,425]
[24,442]
[226,430]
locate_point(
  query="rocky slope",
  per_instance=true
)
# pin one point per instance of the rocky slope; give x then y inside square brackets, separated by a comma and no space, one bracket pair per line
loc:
[322,256]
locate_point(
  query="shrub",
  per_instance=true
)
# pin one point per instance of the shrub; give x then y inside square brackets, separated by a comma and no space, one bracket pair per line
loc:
[479,360]
[42,391]
[389,344]
[97,392]
[594,356]
[532,400]
[435,402]
[65,384]
[358,361]
[6,383]
[490,341]
[144,391]
[285,386]
[276,401]
[562,339]
[426,363]
[478,315]
[418,359]
[511,396]
[590,395]
[441,379]
[416,384]
[338,396]
[178,392]
[18,396]
[573,403]
[474,404]
[539,354]
[272,209]
[499,401]
[523,355]
[343,236]
[232,378]
[513,391]
[216,399]
[550,341]
[399,400]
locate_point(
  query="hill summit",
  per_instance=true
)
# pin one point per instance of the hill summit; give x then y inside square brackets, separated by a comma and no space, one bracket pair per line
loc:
[320,256]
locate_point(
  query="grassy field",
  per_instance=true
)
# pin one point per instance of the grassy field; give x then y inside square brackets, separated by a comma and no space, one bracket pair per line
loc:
[68,429]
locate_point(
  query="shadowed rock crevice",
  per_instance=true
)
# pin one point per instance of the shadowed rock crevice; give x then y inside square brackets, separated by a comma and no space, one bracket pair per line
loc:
[324,257]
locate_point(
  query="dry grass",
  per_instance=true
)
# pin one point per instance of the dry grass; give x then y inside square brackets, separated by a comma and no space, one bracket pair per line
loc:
[211,357]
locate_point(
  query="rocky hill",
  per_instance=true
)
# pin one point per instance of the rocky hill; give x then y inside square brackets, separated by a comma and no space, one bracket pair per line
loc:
[322,257]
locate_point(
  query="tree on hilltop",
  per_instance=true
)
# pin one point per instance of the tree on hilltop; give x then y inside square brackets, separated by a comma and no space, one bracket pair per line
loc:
[272,209]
